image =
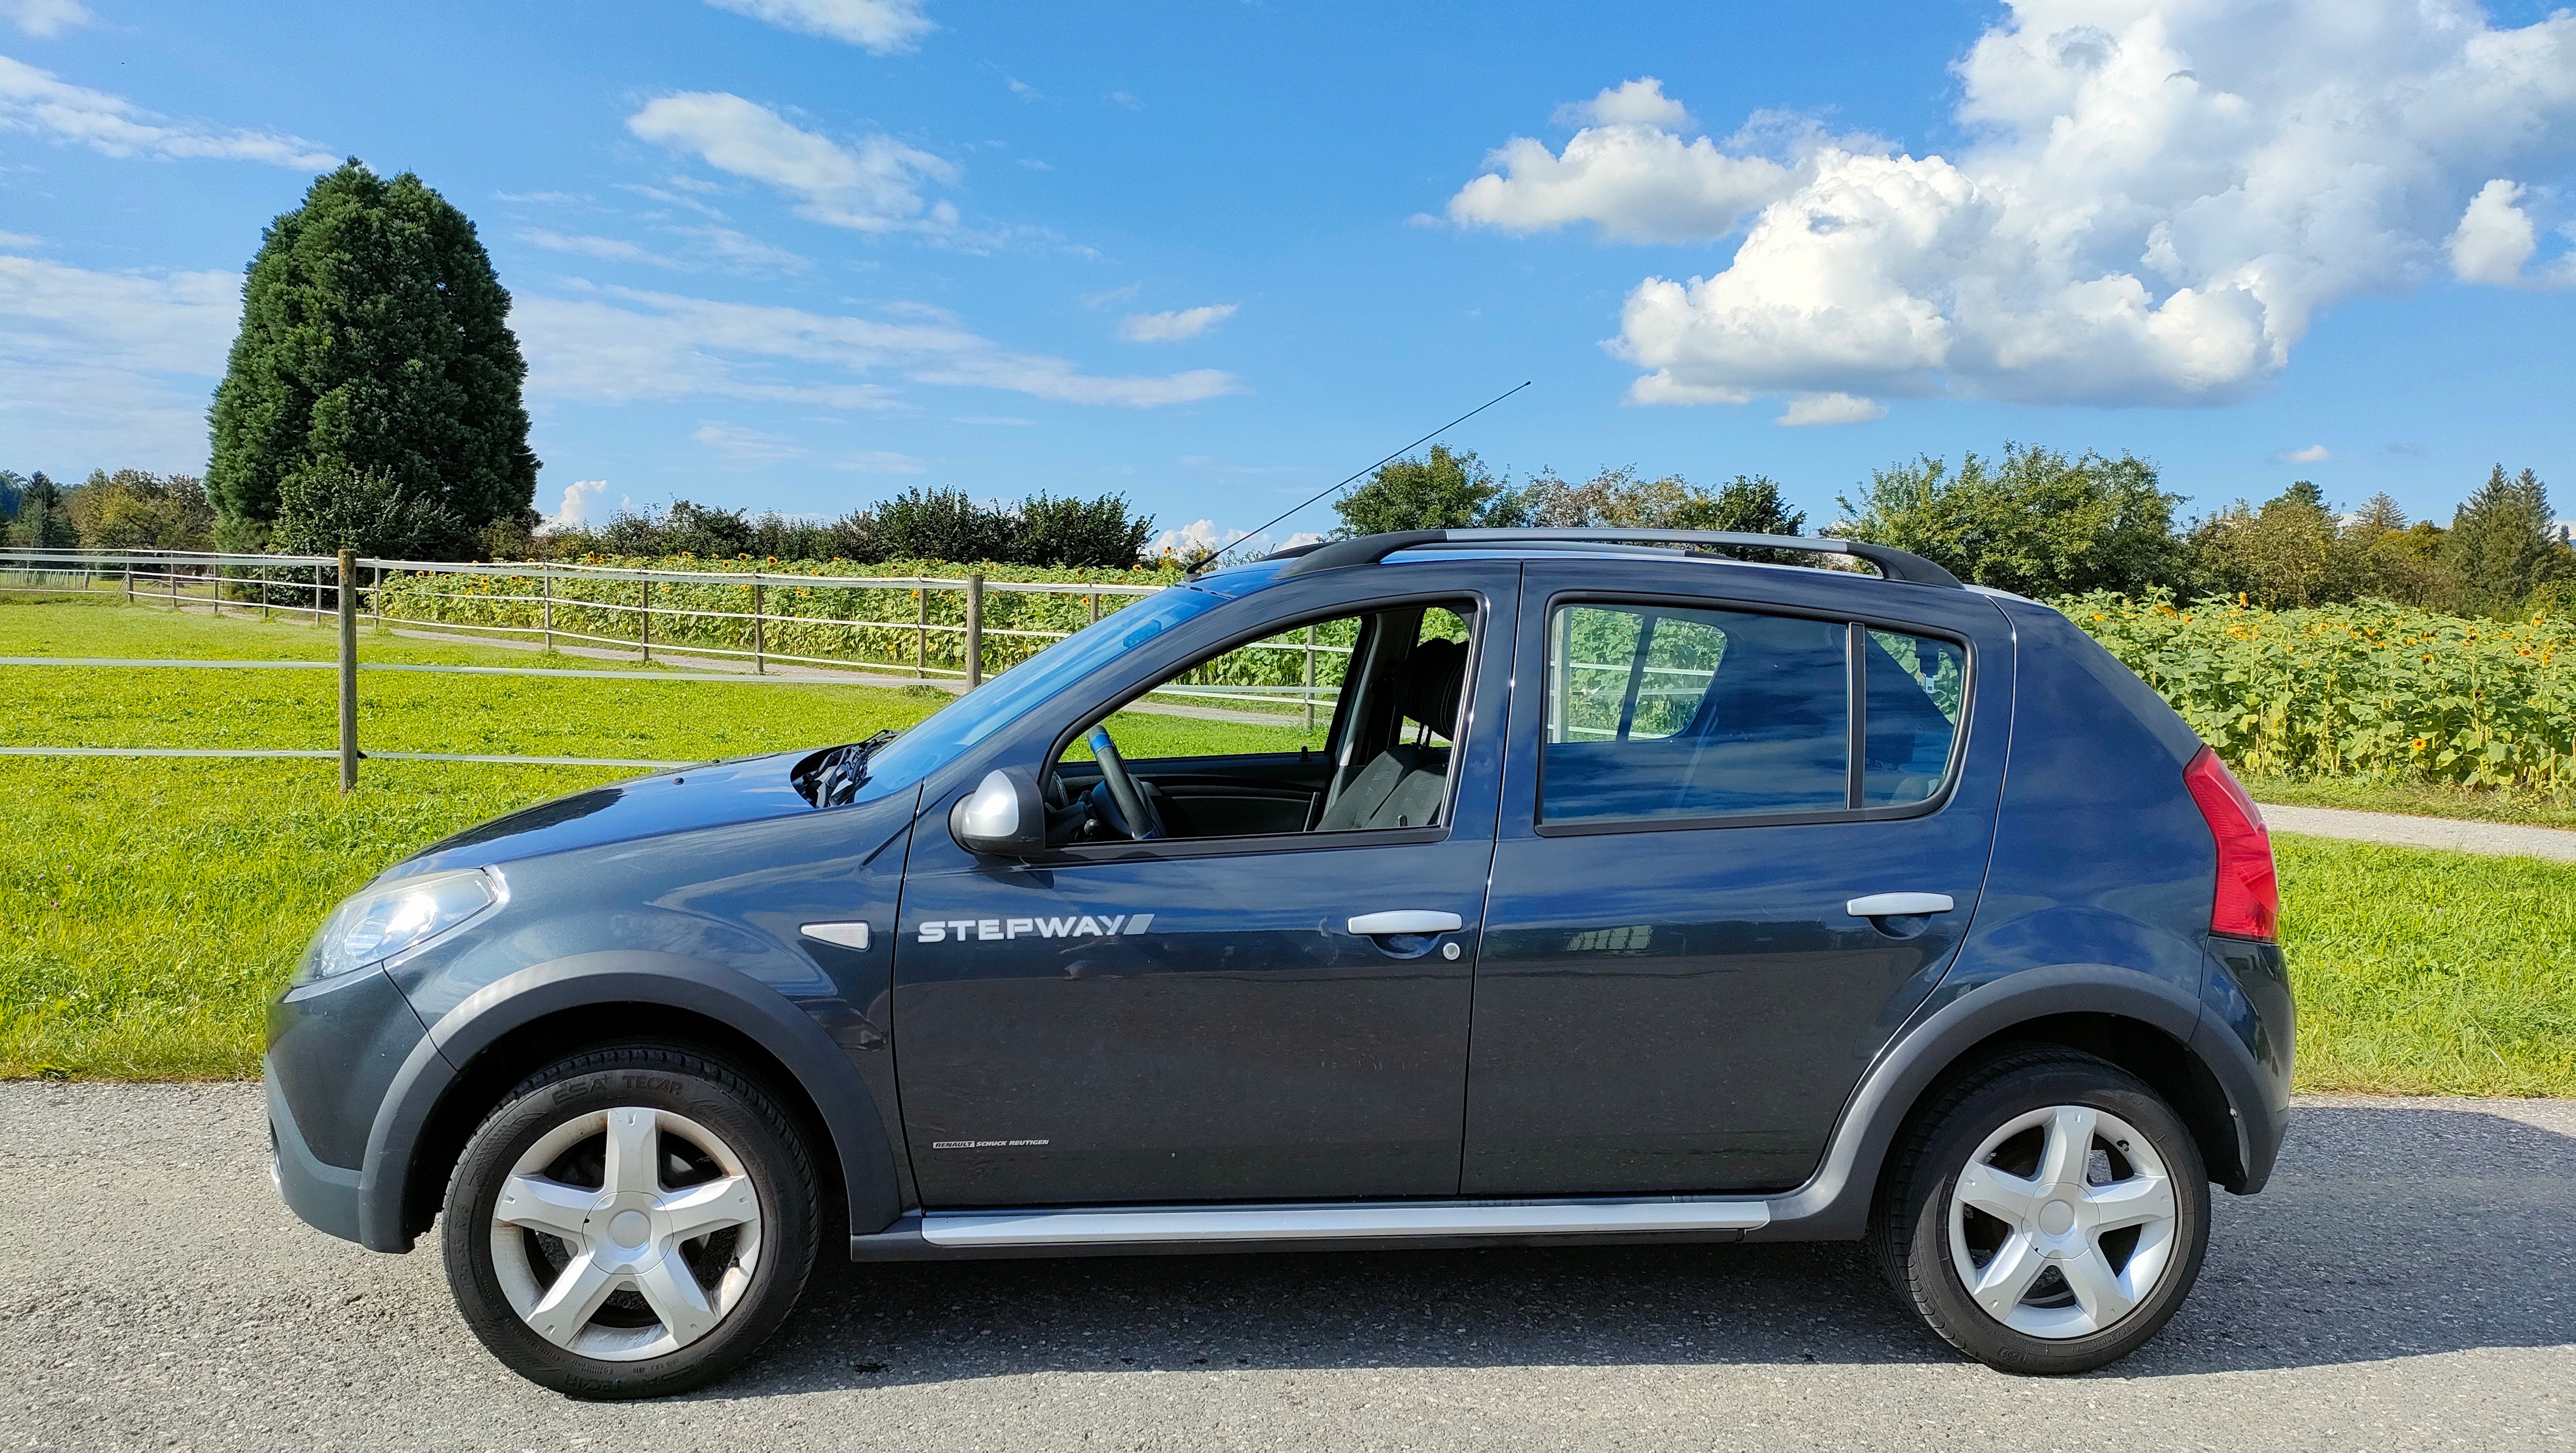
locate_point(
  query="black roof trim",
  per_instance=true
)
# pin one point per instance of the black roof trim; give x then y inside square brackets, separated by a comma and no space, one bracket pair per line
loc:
[1893,563]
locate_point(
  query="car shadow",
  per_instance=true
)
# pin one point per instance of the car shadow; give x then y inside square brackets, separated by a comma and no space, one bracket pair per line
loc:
[2388,1232]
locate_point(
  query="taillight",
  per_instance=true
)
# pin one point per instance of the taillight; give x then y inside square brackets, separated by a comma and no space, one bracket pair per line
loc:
[2249,893]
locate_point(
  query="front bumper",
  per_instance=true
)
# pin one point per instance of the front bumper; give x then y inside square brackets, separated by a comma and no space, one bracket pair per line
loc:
[325,1196]
[334,1048]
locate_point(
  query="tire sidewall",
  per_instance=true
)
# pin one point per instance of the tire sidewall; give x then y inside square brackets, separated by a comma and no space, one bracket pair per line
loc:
[656,1079]
[1937,1287]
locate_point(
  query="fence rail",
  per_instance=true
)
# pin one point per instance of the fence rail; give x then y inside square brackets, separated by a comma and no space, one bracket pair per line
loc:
[828,621]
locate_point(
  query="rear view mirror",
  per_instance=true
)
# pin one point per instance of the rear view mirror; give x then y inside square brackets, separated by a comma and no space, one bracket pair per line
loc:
[1003,817]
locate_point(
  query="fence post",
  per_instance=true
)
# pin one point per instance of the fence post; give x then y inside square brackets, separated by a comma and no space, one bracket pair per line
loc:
[546,584]
[215,597]
[173,567]
[644,619]
[1095,608]
[759,637]
[974,630]
[1310,679]
[348,670]
[921,635]
[317,595]
[129,580]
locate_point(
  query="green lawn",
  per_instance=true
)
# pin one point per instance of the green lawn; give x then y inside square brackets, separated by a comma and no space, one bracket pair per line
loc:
[149,907]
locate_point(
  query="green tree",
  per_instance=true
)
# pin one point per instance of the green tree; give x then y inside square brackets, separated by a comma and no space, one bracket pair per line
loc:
[1067,531]
[13,488]
[40,522]
[374,343]
[2290,553]
[2038,523]
[2502,544]
[133,509]
[1447,491]
[370,512]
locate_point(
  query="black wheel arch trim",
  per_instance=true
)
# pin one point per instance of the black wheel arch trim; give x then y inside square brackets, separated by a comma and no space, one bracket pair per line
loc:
[671,981]
[1835,1202]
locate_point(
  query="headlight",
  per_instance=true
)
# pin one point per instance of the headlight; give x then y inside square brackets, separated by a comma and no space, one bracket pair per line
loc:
[397,917]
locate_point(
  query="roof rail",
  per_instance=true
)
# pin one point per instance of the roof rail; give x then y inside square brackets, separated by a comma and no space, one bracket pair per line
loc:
[1893,563]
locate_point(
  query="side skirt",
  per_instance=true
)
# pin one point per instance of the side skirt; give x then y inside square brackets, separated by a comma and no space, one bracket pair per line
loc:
[1081,1230]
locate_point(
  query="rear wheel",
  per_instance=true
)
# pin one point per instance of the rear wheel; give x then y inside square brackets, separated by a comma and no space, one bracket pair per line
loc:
[630,1222]
[2045,1215]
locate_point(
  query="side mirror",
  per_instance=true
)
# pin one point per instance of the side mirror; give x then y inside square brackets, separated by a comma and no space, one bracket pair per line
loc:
[1003,817]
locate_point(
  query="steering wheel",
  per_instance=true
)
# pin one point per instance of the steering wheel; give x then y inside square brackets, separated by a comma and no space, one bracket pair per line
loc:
[1143,823]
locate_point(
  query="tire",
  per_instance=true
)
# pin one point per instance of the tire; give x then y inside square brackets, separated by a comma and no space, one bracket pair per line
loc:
[631,1222]
[2018,1252]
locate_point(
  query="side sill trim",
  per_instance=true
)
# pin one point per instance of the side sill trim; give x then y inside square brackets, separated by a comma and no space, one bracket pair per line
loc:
[1335,1221]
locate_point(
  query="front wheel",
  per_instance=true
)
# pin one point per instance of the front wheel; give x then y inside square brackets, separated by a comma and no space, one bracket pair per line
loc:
[2046,1215]
[631,1222]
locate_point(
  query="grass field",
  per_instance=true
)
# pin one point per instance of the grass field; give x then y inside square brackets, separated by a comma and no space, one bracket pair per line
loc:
[148,908]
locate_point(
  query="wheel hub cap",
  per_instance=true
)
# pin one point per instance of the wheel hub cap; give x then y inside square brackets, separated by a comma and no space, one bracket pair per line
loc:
[2069,1190]
[644,1268]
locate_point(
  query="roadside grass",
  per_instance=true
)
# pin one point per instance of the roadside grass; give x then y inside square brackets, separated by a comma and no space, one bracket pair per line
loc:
[2421,972]
[148,908]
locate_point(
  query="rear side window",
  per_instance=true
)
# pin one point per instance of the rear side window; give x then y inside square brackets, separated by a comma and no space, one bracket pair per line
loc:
[1667,712]
[1914,687]
[1660,712]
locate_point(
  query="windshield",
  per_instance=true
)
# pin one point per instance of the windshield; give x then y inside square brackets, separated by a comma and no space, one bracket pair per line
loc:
[1006,698]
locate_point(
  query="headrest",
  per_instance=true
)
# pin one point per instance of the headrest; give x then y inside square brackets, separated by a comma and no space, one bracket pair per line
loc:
[1434,675]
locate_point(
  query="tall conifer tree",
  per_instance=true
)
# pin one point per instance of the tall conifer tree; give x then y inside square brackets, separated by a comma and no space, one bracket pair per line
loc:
[375,343]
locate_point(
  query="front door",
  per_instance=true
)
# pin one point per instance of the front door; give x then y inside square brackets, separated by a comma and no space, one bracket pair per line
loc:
[1673,995]
[1197,1017]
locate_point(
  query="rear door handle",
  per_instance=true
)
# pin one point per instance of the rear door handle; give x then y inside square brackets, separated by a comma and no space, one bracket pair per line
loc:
[1898,905]
[1405,920]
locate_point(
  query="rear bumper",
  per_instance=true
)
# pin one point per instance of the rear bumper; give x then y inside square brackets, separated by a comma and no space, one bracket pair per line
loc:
[2248,1032]
[325,1196]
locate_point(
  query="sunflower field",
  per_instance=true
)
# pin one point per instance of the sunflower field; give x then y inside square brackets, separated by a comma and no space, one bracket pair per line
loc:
[2368,690]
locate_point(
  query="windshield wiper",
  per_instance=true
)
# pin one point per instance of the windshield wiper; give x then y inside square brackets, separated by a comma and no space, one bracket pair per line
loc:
[832,778]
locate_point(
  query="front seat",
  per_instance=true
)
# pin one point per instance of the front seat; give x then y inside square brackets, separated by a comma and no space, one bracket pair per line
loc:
[1403,786]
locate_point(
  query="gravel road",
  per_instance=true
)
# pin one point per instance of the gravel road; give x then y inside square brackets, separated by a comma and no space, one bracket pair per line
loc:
[2408,1282]
[2495,839]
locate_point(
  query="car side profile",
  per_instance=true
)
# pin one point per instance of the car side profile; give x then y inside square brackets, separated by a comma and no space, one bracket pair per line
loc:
[1597,886]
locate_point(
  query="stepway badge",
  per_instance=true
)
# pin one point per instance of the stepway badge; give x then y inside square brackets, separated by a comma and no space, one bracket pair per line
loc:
[998,930]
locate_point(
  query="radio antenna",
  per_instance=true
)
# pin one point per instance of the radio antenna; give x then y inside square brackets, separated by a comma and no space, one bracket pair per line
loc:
[1344,483]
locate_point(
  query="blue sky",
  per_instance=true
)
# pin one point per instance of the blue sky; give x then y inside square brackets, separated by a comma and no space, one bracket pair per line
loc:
[799,254]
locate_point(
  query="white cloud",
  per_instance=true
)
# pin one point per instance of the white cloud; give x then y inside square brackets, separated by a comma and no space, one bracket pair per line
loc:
[878,461]
[37,101]
[1127,99]
[1173,327]
[749,446]
[111,366]
[1831,409]
[873,186]
[618,345]
[20,241]
[2313,454]
[1107,296]
[1640,102]
[746,252]
[1206,537]
[1632,181]
[607,249]
[2157,198]
[45,17]
[2496,237]
[884,27]
[585,503]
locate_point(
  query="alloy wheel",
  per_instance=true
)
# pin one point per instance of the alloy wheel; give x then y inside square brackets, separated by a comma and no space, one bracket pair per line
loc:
[626,1234]
[2062,1222]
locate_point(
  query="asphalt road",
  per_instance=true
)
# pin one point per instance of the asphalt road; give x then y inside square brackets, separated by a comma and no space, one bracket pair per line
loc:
[2408,1282]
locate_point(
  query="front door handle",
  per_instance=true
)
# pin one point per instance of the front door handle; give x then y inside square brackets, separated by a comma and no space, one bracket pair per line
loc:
[1898,905]
[1405,920]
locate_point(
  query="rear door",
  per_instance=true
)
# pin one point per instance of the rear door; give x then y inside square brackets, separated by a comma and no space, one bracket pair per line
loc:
[1674,994]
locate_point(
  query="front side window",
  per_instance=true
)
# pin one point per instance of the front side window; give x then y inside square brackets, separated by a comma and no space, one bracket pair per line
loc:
[1342,724]
[1667,712]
